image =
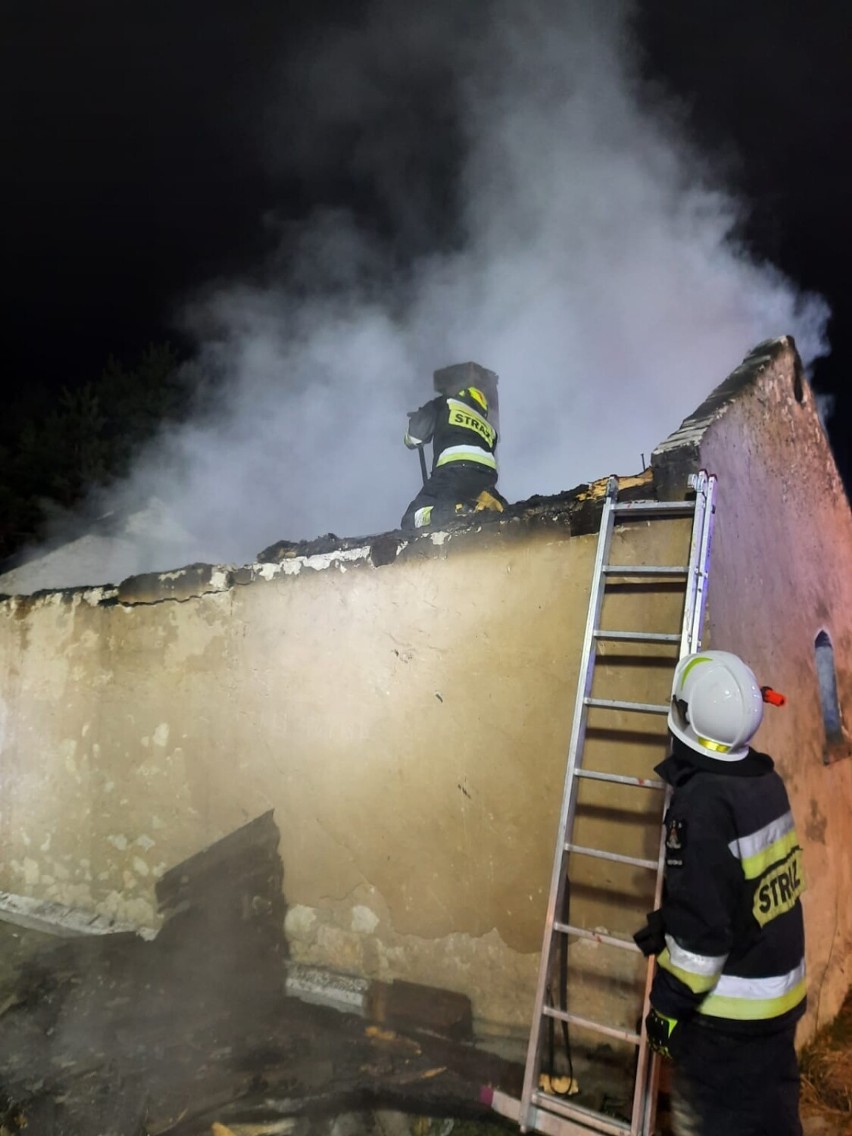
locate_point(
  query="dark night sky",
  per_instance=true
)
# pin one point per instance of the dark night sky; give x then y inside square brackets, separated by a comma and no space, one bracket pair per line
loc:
[134,168]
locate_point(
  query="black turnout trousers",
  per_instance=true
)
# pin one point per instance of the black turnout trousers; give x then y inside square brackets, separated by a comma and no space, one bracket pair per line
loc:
[455,482]
[726,1084]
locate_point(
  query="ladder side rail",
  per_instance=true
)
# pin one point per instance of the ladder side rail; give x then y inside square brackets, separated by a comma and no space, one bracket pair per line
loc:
[699,562]
[643,1114]
[709,521]
[648,1063]
[695,604]
[698,482]
[578,730]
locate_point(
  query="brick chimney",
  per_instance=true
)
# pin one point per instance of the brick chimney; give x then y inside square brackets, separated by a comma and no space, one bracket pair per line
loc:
[450,380]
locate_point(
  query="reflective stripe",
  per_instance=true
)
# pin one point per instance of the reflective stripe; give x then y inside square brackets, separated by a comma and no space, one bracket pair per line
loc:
[753,999]
[690,960]
[778,890]
[699,972]
[717,747]
[693,663]
[467,453]
[455,404]
[423,517]
[465,416]
[765,847]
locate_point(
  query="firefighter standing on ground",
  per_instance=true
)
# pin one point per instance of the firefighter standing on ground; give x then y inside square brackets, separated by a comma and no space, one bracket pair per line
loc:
[464,463]
[730,981]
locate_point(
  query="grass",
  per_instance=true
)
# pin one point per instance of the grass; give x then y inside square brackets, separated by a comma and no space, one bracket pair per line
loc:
[826,1067]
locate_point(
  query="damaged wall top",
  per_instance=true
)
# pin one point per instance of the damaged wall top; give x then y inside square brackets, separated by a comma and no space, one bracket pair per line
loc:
[404,707]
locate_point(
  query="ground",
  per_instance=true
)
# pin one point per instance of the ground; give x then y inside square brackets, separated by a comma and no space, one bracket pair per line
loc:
[191,1034]
[827,1078]
[115,1035]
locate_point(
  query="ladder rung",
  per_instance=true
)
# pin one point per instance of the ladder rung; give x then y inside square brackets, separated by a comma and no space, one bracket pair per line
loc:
[615,857]
[587,1023]
[637,636]
[644,569]
[595,936]
[547,1113]
[554,1116]
[620,779]
[654,508]
[639,707]
[590,1123]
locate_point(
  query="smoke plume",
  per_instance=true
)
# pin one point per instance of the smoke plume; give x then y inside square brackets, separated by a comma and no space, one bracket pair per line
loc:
[549,218]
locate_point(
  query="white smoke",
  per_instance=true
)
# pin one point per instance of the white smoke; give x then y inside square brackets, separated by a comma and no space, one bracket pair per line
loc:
[597,273]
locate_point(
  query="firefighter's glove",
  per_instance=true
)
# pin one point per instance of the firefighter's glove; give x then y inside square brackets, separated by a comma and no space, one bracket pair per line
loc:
[663,1034]
[652,937]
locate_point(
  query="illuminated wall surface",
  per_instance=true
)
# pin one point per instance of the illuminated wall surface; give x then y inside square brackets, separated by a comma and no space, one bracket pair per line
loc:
[408,722]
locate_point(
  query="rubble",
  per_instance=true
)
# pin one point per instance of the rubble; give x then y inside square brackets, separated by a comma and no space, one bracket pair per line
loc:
[113,1035]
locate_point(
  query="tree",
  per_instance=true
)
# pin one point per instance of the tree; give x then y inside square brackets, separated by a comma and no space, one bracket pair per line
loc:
[87,437]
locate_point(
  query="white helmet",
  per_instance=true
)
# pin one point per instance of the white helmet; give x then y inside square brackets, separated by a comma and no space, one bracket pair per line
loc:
[717,704]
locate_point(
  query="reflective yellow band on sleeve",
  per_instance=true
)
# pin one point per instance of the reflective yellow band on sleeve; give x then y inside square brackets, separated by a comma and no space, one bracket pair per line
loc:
[758,850]
[756,999]
[756,865]
[699,978]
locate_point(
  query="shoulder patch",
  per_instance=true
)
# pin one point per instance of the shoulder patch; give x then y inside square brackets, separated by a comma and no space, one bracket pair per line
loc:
[675,842]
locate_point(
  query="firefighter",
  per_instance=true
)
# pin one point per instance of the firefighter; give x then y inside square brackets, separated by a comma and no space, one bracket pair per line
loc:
[464,465]
[729,985]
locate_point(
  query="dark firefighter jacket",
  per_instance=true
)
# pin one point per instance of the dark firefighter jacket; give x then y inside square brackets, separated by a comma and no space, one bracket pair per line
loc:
[731,914]
[458,430]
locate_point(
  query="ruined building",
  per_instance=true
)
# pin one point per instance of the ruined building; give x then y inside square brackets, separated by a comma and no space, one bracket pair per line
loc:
[402,704]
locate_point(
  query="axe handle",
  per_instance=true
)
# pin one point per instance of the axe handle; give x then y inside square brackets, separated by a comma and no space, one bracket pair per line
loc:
[423,472]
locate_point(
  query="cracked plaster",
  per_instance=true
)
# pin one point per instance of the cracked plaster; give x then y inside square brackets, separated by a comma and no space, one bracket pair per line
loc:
[409,727]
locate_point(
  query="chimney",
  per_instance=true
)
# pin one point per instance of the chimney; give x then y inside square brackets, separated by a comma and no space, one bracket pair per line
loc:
[452,379]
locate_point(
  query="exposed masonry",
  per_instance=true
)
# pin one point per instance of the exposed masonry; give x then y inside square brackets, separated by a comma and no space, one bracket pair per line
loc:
[568,514]
[572,513]
[679,454]
[692,429]
[326,988]
[60,920]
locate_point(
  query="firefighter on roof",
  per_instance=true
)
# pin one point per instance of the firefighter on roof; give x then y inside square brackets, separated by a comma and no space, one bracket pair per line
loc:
[464,465]
[729,938]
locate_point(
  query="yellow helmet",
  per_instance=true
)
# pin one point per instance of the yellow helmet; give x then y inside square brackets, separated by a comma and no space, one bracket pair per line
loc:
[478,397]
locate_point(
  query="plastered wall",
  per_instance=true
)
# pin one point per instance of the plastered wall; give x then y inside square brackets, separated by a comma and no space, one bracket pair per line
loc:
[782,572]
[408,724]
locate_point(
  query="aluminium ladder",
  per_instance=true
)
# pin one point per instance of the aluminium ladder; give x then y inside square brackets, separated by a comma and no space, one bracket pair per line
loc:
[539,1110]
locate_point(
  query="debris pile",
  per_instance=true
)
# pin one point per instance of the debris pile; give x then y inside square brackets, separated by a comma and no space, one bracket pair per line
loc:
[112,1035]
